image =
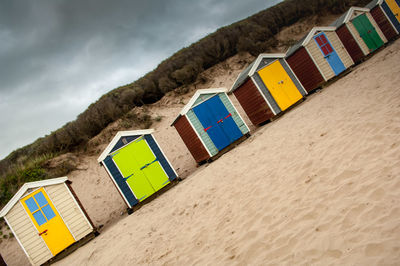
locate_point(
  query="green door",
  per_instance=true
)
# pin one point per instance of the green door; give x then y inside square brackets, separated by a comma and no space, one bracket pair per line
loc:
[367,32]
[149,165]
[140,169]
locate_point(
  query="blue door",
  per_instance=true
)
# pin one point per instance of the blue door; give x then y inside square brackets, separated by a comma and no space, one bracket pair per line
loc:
[329,53]
[225,120]
[217,122]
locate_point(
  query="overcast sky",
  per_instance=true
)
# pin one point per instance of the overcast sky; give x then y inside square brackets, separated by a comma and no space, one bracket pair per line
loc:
[59,56]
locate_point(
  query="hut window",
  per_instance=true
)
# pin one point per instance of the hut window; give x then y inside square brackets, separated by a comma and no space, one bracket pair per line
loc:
[40,208]
[124,141]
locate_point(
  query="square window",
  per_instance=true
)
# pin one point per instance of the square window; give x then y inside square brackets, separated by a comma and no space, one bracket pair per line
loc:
[323,39]
[32,206]
[48,211]
[41,200]
[319,40]
[39,218]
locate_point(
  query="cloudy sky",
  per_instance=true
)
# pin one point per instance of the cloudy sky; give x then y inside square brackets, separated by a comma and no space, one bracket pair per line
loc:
[59,56]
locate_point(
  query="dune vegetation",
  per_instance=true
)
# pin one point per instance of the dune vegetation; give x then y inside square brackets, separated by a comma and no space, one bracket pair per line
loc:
[254,35]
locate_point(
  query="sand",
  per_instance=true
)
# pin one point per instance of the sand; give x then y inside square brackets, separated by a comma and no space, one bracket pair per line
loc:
[318,186]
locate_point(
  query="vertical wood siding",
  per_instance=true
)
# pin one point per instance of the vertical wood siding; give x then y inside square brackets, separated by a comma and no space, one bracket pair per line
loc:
[191,140]
[28,235]
[253,103]
[267,94]
[293,77]
[350,43]
[200,130]
[391,16]
[118,180]
[304,68]
[378,30]
[229,106]
[384,24]
[360,41]
[69,211]
[340,49]
[160,156]
[316,53]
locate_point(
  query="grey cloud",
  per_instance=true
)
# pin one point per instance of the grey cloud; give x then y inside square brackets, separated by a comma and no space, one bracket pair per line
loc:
[57,57]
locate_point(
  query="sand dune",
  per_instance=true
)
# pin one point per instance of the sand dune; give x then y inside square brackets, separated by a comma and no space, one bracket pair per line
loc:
[319,186]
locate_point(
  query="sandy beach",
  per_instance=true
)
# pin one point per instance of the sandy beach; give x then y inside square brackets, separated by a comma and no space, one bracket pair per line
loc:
[318,186]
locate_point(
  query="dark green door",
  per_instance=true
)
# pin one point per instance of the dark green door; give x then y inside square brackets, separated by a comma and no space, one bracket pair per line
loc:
[367,32]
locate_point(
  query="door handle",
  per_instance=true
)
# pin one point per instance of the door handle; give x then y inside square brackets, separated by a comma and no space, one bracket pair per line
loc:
[44,232]
[147,164]
[126,178]
[207,128]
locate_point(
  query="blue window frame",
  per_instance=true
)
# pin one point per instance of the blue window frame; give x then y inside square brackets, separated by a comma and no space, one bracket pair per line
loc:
[40,208]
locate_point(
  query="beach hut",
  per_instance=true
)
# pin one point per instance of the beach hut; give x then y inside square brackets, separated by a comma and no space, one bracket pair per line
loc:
[209,123]
[359,32]
[136,165]
[46,217]
[267,87]
[387,15]
[327,52]
[2,262]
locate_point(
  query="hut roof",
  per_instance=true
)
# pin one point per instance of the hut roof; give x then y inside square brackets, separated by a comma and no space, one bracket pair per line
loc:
[198,93]
[253,67]
[118,136]
[27,186]
[306,39]
[373,3]
[347,16]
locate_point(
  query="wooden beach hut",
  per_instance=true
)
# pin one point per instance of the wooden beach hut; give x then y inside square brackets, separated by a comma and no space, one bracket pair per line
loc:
[209,123]
[136,165]
[267,87]
[326,51]
[387,15]
[46,217]
[359,32]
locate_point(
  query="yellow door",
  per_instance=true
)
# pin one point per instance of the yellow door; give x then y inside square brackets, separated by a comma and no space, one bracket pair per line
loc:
[395,8]
[280,85]
[48,221]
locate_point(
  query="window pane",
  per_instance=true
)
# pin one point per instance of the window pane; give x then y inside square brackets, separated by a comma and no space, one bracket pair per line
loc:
[329,48]
[324,50]
[323,39]
[32,206]
[48,212]
[41,200]
[39,217]
[318,40]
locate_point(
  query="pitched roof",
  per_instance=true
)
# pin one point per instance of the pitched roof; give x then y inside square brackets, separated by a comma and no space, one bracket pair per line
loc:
[347,16]
[253,67]
[306,39]
[197,94]
[373,3]
[118,136]
[27,186]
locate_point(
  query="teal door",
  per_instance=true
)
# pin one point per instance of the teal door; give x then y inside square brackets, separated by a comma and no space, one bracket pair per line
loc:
[367,32]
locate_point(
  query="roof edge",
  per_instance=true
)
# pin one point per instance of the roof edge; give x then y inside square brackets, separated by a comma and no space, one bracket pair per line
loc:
[27,186]
[314,30]
[187,107]
[119,135]
[261,57]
